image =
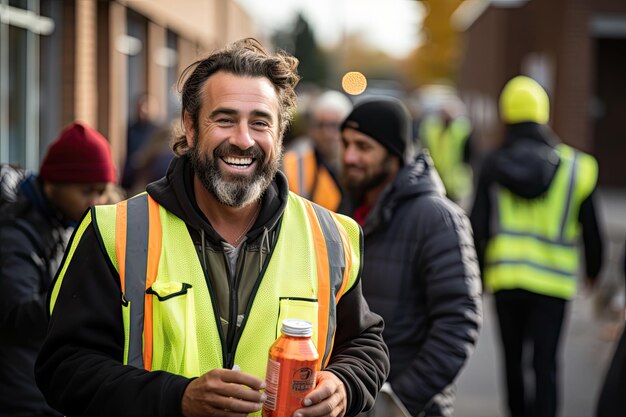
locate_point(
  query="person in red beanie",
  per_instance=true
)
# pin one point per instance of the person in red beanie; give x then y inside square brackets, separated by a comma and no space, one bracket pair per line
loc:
[34,231]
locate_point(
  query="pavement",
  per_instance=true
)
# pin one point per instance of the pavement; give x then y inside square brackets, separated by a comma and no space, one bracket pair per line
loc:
[589,336]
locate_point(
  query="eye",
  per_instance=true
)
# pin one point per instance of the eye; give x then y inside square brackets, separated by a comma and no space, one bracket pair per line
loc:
[260,124]
[225,121]
[363,146]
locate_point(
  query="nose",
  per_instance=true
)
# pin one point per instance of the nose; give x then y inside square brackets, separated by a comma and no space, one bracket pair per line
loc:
[350,155]
[242,138]
[94,198]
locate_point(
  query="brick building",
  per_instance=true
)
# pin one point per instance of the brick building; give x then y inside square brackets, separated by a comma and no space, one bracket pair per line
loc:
[575,48]
[62,60]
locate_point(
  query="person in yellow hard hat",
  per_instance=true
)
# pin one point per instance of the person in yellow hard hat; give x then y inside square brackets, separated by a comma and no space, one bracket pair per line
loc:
[534,203]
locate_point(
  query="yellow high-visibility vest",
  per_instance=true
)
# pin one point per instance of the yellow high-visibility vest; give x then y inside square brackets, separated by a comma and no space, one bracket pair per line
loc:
[169,317]
[446,146]
[534,242]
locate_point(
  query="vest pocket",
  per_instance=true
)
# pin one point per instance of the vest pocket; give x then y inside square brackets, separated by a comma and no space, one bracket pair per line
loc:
[298,308]
[175,344]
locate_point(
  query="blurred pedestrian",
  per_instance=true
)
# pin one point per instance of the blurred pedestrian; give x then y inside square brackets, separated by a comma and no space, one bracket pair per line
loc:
[140,132]
[420,272]
[312,164]
[534,203]
[168,303]
[34,230]
[153,159]
[446,133]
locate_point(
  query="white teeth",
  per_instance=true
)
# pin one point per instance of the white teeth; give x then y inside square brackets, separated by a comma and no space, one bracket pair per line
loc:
[237,161]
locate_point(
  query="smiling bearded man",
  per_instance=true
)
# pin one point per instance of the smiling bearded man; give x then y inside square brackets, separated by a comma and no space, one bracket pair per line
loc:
[168,302]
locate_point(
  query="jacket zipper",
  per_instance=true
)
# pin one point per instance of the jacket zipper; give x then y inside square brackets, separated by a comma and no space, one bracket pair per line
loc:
[235,331]
[216,312]
[233,307]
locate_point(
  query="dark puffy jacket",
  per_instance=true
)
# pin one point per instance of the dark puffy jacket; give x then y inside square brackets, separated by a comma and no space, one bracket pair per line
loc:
[420,273]
[31,244]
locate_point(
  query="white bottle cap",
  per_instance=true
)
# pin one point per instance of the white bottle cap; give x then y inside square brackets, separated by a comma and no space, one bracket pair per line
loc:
[297,328]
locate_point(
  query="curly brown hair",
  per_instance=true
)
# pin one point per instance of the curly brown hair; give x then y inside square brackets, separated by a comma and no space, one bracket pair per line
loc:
[246,57]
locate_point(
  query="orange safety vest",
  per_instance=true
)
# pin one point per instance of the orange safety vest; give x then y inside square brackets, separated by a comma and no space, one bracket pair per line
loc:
[310,179]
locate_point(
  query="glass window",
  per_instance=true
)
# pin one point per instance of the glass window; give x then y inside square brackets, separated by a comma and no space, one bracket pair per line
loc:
[17,95]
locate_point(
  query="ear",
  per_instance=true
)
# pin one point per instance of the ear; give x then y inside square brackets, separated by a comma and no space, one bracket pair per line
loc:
[189,130]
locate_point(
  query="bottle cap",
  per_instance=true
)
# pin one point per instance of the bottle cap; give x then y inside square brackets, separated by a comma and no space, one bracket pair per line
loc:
[297,328]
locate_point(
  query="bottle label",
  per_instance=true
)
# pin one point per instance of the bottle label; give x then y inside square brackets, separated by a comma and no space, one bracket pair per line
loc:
[271,384]
[303,380]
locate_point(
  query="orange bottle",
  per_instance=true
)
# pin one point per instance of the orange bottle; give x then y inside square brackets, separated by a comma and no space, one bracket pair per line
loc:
[291,369]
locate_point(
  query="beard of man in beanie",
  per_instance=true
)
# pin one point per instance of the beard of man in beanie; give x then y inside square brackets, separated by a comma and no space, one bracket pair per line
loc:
[76,169]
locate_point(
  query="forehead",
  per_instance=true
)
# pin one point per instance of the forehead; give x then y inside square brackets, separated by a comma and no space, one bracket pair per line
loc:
[241,93]
[78,187]
[328,114]
[350,135]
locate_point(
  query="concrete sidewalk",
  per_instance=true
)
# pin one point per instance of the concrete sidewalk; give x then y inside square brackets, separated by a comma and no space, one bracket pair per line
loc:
[587,345]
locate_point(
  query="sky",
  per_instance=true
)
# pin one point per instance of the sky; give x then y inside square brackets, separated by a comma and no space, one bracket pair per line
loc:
[390,25]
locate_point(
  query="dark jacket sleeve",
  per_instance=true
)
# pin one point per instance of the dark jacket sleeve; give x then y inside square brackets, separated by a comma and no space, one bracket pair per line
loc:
[480,213]
[592,238]
[360,357]
[80,369]
[447,263]
[23,279]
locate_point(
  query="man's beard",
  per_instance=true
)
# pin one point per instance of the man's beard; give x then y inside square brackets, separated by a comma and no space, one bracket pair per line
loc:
[234,190]
[357,189]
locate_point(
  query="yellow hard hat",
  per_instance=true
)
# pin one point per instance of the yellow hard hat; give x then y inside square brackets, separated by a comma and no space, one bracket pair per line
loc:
[524,100]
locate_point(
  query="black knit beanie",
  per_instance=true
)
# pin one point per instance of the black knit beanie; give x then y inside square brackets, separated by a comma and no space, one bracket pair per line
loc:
[384,119]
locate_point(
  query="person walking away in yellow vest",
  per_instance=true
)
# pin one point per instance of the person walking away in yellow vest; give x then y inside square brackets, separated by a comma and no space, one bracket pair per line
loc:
[534,204]
[312,164]
[447,134]
[167,303]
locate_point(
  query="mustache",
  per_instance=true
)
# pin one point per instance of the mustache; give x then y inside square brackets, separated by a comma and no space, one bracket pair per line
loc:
[226,149]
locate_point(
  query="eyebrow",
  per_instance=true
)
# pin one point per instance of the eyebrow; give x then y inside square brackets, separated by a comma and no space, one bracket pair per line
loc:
[233,112]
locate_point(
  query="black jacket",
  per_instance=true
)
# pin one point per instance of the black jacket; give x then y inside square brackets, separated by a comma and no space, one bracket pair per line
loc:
[79,368]
[32,241]
[420,273]
[526,164]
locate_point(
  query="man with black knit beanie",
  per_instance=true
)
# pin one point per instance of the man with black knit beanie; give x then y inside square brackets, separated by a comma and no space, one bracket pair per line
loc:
[420,269]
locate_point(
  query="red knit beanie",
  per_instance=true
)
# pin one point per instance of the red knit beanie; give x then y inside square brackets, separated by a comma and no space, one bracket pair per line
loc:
[79,155]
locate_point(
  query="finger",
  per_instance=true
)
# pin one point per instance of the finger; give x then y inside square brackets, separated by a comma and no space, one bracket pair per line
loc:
[327,385]
[329,407]
[236,405]
[319,394]
[242,392]
[242,378]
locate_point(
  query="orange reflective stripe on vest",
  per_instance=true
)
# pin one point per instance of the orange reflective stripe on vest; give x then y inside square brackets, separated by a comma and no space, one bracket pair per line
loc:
[309,179]
[333,268]
[138,253]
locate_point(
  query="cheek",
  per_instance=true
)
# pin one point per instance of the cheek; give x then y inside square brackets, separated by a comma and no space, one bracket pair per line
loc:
[271,146]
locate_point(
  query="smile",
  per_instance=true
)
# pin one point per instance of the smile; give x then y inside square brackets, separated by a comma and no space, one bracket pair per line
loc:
[238,161]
